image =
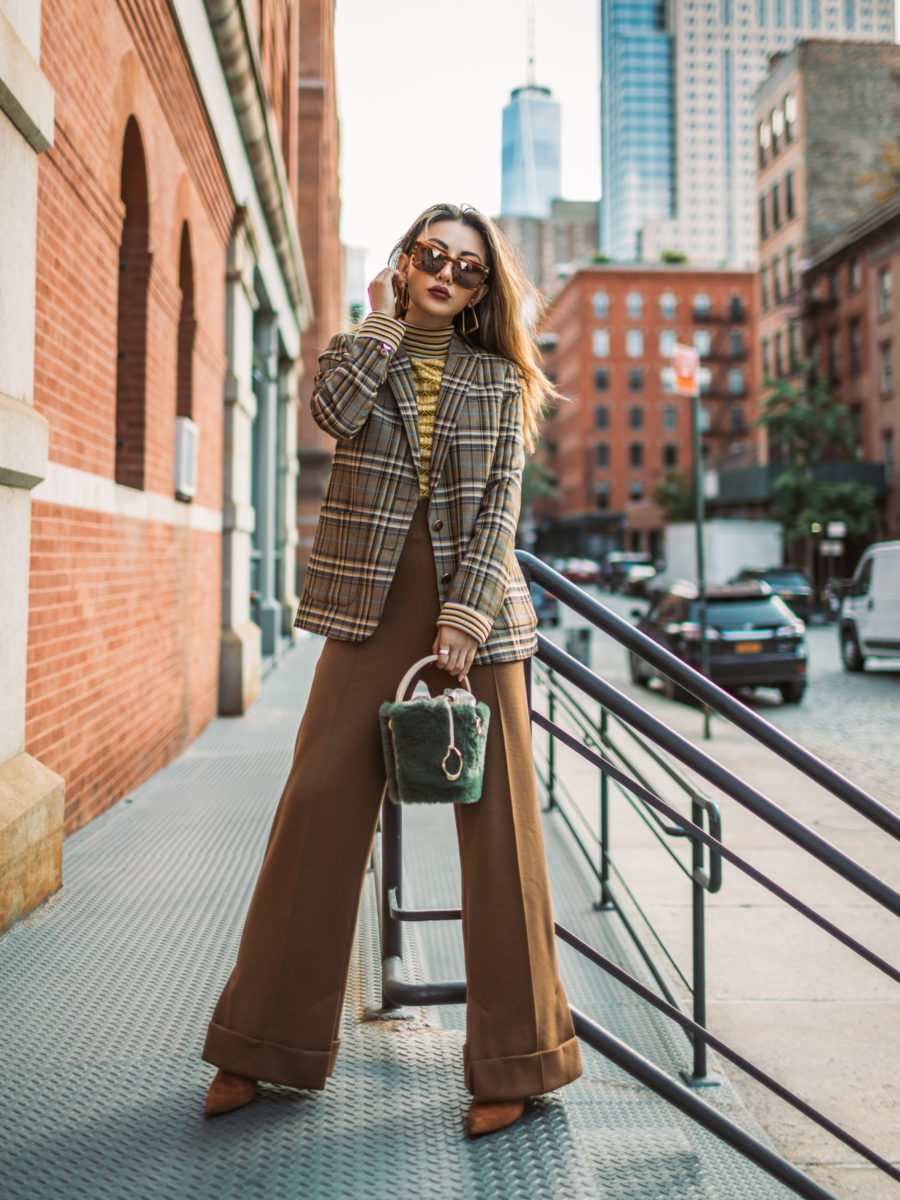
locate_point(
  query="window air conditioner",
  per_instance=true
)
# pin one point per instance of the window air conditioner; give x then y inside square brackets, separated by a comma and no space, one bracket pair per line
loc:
[186,434]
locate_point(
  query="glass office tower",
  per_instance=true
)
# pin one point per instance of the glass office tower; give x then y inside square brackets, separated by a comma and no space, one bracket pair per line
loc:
[676,119]
[531,171]
[636,123]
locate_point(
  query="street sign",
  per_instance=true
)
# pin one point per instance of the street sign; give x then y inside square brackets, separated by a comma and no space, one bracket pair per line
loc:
[686,362]
[836,529]
[832,549]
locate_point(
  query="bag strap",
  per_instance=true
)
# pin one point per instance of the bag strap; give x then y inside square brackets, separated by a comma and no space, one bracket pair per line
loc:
[414,671]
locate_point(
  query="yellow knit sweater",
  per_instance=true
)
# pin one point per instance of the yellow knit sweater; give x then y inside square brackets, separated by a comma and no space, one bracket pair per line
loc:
[427,350]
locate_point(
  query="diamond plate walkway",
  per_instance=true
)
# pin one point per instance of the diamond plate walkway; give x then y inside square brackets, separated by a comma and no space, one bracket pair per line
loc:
[106,989]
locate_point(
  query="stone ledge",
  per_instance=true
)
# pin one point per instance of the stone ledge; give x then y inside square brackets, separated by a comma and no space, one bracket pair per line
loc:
[25,94]
[240,666]
[31,836]
[24,436]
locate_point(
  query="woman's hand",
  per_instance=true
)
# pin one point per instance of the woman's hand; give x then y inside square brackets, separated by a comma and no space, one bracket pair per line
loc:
[455,650]
[383,290]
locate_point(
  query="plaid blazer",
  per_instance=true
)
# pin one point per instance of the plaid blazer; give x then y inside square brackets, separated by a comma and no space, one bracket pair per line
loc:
[365,398]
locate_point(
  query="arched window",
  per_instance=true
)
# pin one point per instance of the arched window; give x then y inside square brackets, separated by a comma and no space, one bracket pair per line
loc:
[131,329]
[187,327]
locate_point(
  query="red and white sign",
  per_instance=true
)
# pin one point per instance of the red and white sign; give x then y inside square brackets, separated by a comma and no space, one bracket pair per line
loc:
[686,362]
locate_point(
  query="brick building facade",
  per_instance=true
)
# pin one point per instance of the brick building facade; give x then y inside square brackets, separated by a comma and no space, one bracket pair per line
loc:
[610,334]
[852,332]
[823,116]
[319,196]
[156,414]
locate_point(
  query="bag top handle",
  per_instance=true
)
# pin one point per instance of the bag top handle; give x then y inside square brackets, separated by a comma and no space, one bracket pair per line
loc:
[414,671]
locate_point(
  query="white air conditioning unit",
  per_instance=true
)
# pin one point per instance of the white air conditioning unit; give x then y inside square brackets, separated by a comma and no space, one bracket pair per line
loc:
[186,434]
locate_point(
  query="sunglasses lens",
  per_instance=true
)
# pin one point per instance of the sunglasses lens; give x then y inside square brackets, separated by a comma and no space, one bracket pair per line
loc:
[430,260]
[468,274]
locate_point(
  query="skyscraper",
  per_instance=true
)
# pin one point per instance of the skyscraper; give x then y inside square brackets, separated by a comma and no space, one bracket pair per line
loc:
[720,51]
[636,123]
[531,172]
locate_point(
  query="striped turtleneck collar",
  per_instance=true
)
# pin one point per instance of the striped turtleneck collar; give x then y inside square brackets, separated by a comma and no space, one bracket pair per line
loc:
[427,343]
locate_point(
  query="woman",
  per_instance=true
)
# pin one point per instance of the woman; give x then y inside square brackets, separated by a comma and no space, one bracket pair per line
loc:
[432,401]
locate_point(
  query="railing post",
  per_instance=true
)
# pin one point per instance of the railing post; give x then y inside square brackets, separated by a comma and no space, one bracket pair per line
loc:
[391,880]
[551,744]
[698,1076]
[605,900]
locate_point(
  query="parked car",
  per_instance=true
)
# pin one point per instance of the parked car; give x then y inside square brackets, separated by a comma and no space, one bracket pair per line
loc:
[617,565]
[578,570]
[787,582]
[545,604]
[869,622]
[754,639]
[639,579]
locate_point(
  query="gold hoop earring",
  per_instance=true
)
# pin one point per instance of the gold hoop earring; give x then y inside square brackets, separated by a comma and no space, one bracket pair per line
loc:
[470,308]
[404,297]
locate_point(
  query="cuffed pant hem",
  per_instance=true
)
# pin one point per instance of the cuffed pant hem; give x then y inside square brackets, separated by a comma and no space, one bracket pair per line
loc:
[268,1061]
[522,1075]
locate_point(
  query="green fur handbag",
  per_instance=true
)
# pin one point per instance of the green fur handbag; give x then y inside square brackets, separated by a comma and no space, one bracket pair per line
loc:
[434,745]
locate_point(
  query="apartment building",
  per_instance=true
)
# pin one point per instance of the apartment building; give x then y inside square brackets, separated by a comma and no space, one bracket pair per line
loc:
[609,335]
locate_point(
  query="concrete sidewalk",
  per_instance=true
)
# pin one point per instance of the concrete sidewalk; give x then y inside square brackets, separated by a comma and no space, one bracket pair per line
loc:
[105,992]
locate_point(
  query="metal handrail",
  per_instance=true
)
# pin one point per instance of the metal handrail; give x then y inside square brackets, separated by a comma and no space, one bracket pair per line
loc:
[633,788]
[397,992]
[713,881]
[727,782]
[708,692]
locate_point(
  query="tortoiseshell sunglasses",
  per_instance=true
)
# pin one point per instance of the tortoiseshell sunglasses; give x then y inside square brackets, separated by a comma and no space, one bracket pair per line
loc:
[432,259]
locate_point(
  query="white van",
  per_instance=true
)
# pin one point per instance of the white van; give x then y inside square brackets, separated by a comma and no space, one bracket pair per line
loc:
[869,624]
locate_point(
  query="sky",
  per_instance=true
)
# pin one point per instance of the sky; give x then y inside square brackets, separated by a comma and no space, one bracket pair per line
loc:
[421,90]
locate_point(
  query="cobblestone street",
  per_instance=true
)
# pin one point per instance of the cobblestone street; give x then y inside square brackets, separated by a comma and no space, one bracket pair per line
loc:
[848,720]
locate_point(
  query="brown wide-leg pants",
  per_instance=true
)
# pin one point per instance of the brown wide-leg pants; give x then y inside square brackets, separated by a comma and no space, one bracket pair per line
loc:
[278,1016]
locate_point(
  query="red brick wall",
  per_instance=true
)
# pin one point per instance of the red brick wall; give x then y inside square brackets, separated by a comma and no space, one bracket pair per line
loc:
[123,649]
[318,217]
[124,612]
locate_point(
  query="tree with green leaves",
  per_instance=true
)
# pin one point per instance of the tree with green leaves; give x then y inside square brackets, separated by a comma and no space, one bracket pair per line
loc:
[807,427]
[675,496]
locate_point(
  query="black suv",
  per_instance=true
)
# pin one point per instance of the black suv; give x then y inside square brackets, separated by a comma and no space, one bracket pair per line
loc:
[754,639]
[787,582]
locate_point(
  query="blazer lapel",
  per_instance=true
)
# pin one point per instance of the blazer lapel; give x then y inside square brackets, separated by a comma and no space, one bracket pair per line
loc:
[454,388]
[400,378]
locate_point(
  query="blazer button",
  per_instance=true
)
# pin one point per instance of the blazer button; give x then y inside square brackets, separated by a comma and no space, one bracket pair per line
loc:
[438,525]
[446,578]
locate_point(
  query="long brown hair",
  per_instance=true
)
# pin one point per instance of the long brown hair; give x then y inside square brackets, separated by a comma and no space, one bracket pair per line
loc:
[507,310]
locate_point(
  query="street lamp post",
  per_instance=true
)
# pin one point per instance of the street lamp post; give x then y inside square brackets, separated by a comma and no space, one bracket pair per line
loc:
[699,516]
[686,362]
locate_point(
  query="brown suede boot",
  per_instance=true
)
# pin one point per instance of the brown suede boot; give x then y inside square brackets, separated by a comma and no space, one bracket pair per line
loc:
[228,1092]
[489,1116]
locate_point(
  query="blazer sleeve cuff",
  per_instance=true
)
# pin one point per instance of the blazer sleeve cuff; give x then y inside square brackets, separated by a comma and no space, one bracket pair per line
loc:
[469,620]
[385,329]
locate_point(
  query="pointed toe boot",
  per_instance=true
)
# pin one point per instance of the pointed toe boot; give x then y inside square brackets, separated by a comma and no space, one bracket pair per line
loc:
[228,1092]
[488,1117]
